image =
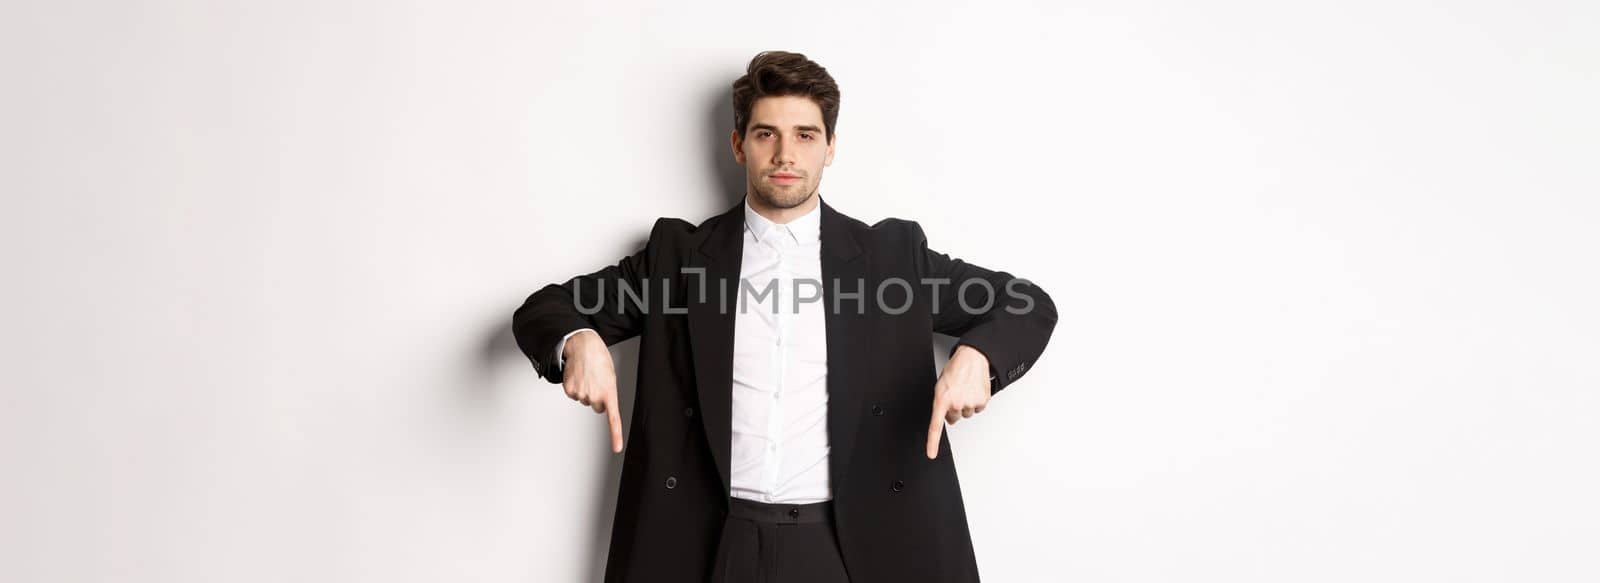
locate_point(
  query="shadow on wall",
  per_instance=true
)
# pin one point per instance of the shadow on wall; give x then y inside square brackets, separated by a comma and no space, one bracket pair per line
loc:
[726,172]
[501,345]
[729,180]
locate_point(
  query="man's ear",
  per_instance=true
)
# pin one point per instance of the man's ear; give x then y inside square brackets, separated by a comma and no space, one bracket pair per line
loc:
[833,139]
[737,143]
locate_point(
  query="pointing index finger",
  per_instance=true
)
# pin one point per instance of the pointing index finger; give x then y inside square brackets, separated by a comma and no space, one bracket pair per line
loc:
[614,419]
[935,428]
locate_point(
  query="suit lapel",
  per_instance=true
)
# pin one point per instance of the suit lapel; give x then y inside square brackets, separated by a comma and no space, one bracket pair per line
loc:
[842,268]
[711,331]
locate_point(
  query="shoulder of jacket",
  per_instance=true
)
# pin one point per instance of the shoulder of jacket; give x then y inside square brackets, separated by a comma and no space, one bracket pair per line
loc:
[897,230]
[673,235]
[673,226]
[896,224]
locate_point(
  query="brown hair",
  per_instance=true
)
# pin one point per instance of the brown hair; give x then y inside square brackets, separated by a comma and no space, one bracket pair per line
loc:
[781,73]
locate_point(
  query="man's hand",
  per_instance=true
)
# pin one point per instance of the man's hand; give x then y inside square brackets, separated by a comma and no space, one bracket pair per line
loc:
[962,391]
[590,378]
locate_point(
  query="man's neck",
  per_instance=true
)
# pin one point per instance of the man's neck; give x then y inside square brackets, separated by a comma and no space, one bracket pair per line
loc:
[782,216]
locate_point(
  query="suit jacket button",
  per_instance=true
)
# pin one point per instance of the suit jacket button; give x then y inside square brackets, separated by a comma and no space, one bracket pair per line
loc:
[877,410]
[898,485]
[688,411]
[672,482]
[794,513]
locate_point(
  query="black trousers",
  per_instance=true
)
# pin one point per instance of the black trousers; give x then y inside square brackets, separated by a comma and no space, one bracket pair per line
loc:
[779,543]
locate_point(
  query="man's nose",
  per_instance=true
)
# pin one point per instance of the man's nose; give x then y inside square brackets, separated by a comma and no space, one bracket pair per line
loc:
[781,152]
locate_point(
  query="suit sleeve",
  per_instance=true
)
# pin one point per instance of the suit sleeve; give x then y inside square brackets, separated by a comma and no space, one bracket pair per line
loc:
[607,301]
[1008,319]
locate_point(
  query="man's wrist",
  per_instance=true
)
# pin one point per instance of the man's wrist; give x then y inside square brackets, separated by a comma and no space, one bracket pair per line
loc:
[967,351]
[563,348]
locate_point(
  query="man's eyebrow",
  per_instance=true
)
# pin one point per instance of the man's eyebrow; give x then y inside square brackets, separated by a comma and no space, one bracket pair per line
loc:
[803,128]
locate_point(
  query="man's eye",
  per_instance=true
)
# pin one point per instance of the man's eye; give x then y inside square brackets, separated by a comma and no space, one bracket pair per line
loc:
[805,136]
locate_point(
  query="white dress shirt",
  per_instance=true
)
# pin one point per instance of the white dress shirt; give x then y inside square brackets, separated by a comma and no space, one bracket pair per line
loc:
[780,365]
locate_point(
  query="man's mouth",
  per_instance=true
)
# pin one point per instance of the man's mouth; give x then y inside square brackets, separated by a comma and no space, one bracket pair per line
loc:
[785,178]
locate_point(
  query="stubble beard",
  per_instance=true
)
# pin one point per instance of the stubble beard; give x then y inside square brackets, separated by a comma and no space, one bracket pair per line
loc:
[783,198]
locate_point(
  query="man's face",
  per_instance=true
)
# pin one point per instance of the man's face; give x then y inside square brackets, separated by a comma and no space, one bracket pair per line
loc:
[783,150]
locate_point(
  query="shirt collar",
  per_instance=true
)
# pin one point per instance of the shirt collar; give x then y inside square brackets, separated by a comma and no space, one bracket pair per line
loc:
[805,228]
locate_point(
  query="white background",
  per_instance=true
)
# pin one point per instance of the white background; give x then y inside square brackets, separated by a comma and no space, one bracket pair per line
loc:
[1326,275]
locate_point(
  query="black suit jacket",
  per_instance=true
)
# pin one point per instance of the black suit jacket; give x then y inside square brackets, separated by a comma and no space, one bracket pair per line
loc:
[899,515]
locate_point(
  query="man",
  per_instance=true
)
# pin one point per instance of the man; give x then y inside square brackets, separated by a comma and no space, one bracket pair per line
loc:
[788,425]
